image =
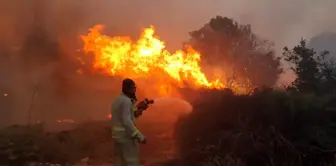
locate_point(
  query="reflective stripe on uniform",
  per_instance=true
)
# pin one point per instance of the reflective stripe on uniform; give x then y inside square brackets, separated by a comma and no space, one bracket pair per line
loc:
[118,128]
[135,133]
[134,107]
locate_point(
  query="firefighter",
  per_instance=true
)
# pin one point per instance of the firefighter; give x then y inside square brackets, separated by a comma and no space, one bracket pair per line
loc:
[124,132]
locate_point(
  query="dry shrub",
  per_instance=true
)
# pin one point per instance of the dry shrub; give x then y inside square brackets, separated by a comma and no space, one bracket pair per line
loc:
[268,127]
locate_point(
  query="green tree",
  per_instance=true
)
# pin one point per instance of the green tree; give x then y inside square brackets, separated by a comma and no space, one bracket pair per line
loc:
[328,80]
[233,47]
[314,74]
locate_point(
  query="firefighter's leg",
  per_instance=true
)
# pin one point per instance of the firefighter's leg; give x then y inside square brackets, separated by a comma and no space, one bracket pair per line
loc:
[118,156]
[130,152]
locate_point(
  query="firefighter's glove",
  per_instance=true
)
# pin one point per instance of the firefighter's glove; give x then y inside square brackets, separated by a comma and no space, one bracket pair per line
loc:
[140,138]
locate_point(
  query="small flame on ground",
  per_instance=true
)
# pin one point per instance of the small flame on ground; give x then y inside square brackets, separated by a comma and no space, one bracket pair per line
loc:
[66,121]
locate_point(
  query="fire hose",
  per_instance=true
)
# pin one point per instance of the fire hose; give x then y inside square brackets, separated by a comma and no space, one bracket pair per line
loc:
[142,106]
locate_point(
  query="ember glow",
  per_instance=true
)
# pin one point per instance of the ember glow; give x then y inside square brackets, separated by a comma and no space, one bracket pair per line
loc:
[66,121]
[146,57]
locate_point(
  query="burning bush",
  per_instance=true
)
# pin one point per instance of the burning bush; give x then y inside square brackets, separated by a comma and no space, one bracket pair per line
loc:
[268,127]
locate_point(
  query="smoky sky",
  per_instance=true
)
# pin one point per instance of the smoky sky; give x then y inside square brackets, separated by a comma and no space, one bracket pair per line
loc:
[283,22]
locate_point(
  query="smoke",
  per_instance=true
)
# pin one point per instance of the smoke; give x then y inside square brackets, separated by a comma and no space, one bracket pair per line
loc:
[283,22]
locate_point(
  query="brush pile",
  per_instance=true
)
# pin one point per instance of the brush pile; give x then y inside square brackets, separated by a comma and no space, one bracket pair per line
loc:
[269,127]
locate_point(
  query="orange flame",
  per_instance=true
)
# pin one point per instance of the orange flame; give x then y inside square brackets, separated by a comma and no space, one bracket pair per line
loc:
[147,57]
[66,121]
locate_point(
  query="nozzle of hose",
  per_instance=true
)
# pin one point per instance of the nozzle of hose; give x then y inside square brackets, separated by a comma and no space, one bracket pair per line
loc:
[149,101]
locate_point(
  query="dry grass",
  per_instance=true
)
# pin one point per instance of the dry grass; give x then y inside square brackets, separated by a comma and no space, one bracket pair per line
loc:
[91,141]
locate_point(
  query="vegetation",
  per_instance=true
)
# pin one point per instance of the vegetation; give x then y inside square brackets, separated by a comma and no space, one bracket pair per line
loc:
[89,141]
[22,144]
[271,127]
[243,56]
[315,74]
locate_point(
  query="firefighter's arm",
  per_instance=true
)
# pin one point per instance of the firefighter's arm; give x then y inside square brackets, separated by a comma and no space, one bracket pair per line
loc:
[141,106]
[138,112]
[126,106]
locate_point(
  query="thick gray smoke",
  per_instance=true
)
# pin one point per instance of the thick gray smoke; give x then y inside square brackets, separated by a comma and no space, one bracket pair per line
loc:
[283,22]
